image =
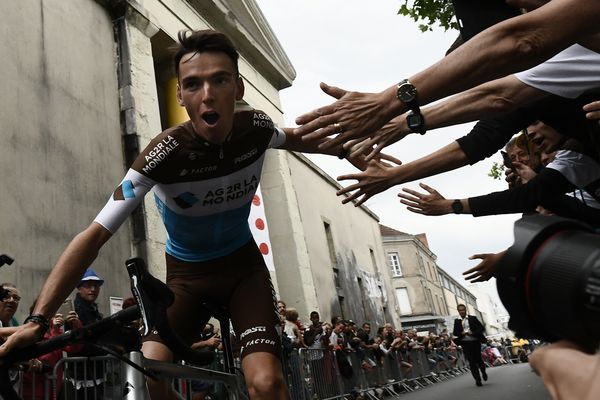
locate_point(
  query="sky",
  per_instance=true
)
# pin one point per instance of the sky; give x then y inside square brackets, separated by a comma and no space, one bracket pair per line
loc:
[367,47]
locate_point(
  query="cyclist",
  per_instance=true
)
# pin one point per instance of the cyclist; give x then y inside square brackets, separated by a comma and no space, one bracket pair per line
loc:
[204,174]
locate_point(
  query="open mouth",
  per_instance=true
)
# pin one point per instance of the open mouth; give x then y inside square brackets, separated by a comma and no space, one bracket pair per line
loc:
[210,117]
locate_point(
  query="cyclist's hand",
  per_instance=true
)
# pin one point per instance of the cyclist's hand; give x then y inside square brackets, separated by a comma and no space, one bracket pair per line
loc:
[25,335]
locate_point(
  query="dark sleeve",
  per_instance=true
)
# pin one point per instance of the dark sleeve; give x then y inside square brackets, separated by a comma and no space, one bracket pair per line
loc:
[476,327]
[490,135]
[523,198]
[457,328]
[570,207]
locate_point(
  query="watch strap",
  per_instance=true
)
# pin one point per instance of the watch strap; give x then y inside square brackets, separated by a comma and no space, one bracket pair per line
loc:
[40,320]
[457,206]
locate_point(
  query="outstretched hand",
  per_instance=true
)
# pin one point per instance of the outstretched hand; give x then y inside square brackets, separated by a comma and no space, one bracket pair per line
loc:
[430,203]
[390,133]
[354,115]
[376,178]
[485,269]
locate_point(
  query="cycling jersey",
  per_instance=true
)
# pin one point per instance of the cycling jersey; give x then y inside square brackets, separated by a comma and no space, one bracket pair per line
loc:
[203,191]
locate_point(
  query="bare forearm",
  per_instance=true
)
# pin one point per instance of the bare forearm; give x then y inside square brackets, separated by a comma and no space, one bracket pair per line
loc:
[513,45]
[489,99]
[74,260]
[445,159]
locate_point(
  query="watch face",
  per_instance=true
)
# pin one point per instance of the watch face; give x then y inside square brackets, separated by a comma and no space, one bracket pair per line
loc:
[407,92]
[414,121]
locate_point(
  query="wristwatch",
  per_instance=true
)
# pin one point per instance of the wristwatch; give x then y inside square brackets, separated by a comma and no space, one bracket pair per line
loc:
[407,93]
[416,122]
[457,206]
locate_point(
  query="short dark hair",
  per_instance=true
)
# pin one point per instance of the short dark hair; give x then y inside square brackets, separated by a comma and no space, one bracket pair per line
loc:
[203,41]
[461,305]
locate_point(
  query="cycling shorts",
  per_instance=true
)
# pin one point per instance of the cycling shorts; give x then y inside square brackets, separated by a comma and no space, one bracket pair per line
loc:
[241,282]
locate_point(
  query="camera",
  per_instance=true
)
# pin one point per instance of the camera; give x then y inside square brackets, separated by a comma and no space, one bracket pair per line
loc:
[4,259]
[549,281]
[3,293]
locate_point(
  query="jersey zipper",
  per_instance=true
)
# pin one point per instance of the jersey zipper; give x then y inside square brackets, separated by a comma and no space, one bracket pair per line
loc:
[221,152]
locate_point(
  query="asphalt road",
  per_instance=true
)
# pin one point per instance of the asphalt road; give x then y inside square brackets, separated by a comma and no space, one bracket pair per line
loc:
[510,382]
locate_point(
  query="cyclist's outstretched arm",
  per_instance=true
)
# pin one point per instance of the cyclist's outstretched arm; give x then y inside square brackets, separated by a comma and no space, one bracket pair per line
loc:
[71,265]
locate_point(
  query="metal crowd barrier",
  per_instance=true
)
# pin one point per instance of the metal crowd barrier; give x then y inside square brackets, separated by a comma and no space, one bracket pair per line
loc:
[311,374]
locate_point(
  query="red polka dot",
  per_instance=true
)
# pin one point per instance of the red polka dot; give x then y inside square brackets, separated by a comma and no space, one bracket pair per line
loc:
[256,200]
[260,224]
[264,248]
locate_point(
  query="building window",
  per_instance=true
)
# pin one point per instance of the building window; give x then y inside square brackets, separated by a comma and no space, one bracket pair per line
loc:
[336,277]
[394,262]
[403,301]
[373,259]
[330,245]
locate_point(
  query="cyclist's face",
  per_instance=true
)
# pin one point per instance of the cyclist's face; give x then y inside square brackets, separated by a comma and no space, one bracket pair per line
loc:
[209,86]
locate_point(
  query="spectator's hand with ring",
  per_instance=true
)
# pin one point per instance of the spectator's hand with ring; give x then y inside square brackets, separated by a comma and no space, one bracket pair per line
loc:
[360,114]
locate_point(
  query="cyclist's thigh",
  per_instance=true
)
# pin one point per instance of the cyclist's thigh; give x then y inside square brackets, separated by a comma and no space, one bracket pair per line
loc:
[253,308]
[186,315]
[156,351]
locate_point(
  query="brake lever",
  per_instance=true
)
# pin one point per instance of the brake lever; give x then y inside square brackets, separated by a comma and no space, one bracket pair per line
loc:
[135,268]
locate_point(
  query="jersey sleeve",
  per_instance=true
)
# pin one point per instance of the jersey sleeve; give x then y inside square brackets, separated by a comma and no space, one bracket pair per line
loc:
[278,138]
[124,200]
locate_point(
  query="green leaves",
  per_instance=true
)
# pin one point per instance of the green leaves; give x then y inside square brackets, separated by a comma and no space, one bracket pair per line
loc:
[497,170]
[430,12]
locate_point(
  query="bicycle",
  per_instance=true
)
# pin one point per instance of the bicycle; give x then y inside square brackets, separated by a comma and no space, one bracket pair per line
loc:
[153,298]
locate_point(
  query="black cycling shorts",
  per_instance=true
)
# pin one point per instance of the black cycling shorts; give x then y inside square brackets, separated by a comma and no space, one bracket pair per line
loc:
[241,282]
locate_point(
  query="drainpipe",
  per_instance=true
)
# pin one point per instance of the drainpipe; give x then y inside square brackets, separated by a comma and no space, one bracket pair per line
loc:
[118,10]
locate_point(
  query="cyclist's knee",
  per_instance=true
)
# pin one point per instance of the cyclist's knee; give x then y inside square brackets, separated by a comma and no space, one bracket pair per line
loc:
[265,385]
[264,377]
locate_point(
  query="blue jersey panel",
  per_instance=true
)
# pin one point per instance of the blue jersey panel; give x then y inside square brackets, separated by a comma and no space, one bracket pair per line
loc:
[195,239]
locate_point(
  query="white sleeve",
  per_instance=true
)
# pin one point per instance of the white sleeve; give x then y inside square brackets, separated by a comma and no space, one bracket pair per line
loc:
[124,200]
[568,74]
[278,138]
[579,169]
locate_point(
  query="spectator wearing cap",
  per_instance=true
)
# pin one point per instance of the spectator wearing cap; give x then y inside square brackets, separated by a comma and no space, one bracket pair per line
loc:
[88,290]
[87,382]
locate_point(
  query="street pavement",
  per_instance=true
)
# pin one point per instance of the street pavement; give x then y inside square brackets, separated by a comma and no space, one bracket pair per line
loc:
[514,382]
